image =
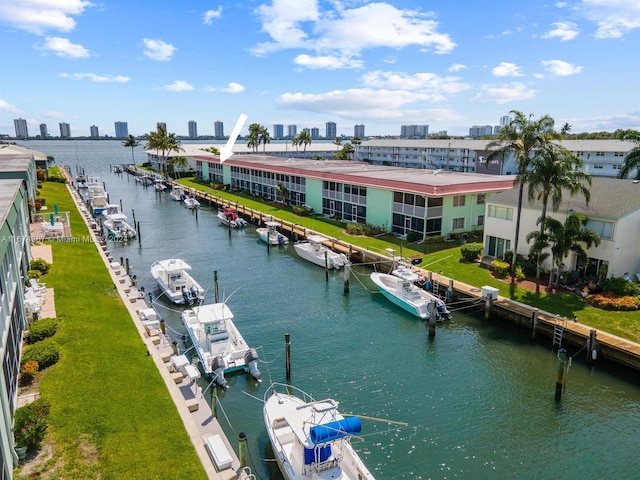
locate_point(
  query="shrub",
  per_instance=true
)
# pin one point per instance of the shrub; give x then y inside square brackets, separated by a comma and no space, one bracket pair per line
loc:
[471,251]
[519,273]
[619,286]
[30,424]
[41,329]
[34,274]
[527,266]
[46,353]
[355,229]
[28,371]
[500,268]
[434,239]
[41,265]
[57,179]
[608,301]
[413,237]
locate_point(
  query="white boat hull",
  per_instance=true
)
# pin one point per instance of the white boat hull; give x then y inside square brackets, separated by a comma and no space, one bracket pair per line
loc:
[408,297]
[315,253]
[272,237]
[172,279]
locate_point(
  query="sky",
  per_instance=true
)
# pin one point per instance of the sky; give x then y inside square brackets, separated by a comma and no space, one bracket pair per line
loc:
[447,64]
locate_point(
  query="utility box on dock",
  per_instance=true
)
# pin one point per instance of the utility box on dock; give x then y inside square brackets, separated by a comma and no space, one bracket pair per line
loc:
[489,292]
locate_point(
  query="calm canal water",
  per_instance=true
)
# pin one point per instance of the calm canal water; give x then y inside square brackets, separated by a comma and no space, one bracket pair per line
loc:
[479,398]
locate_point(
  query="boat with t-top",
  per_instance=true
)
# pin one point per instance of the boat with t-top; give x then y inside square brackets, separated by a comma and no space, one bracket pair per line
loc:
[175,282]
[218,343]
[311,439]
[117,227]
[177,193]
[270,234]
[315,251]
[229,218]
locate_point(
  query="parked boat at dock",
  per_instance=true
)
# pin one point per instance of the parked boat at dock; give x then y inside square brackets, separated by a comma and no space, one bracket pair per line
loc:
[98,204]
[311,439]
[159,185]
[117,226]
[177,193]
[229,218]
[175,282]
[315,251]
[218,343]
[270,234]
[81,181]
[190,201]
[400,290]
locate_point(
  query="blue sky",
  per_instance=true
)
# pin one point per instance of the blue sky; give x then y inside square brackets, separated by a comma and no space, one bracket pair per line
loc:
[449,64]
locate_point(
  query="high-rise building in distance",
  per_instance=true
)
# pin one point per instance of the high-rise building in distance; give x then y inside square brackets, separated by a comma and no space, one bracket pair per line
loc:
[95,133]
[292,131]
[414,131]
[20,125]
[218,128]
[122,129]
[43,130]
[480,131]
[315,132]
[331,130]
[193,129]
[65,130]
[278,131]
[358,131]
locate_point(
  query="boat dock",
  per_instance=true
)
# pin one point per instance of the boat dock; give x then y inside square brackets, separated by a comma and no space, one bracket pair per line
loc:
[192,406]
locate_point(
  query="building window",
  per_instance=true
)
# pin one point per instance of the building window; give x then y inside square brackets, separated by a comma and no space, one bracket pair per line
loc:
[604,229]
[497,246]
[458,223]
[458,200]
[480,199]
[504,213]
[480,221]
[598,166]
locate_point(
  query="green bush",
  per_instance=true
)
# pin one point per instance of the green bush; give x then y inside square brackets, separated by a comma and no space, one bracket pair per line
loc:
[34,274]
[434,239]
[471,251]
[527,266]
[46,353]
[30,424]
[519,273]
[619,286]
[57,179]
[41,265]
[413,237]
[41,329]
[500,268]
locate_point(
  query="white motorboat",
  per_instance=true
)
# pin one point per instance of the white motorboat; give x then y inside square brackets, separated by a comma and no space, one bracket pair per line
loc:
[159,185]
[145,179]
[98,204]
[118,169]
[190,201]
[81,181]
[95,190]
[218,343]
[270,234]
[229,218]
[401,290]
[311,439]
[177,193]
[314,250]
[175,282]
[111,209]
[117,226]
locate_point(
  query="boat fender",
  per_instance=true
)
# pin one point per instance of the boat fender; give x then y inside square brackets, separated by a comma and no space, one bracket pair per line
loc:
[427,285]
[594,354]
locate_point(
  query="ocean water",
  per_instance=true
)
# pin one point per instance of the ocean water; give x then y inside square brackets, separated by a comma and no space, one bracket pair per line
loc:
[478,398]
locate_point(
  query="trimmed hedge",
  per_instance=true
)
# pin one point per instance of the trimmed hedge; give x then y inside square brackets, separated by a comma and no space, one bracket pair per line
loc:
[471,251]
[41,329]
[46,353]
[500,268]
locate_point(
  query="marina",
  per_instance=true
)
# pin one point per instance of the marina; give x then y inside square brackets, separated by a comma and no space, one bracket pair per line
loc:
[478,398]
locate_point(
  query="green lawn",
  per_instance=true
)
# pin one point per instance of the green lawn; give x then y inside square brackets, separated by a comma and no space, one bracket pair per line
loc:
[446,259]
[111,414]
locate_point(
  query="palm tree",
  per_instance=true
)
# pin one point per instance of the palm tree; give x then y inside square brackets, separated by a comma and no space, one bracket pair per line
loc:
[213,150]
[254,136]
[565,238]
[304,139]
[283,192]
[263,137]
[180,162]
[131,141]
[356,141]
[163,142]
[631,159]
[337,142]
[554,171]
[524,137]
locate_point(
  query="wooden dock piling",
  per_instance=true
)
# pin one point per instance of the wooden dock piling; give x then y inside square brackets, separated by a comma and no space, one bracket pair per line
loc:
[287,354]
[562,365]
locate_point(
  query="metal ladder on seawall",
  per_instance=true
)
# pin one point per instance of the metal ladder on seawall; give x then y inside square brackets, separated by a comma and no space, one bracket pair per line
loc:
[435,288]
[558,331]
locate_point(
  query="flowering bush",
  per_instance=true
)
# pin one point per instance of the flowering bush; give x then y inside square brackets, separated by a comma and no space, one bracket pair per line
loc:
[609,301]
[30,424]
[29,370]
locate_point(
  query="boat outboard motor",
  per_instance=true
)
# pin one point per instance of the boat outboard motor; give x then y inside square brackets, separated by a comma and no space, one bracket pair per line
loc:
[194,293]
[217,368]
[280,239]
[185,295]
[251,364]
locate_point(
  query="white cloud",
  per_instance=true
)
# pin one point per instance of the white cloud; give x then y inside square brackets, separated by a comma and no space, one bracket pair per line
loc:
[502,94]
[428,82]
[211,14]
[614,18]
[158,50]
[96,78]
[506,69]
[328,62]
[54,115]
[563,31]
[456,67]
[62,47]
[560,68]
[300,24]
[178,86]
[39,16]
[9,108]
[233,87]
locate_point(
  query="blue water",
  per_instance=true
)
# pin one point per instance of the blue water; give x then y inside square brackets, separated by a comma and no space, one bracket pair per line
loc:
[478,399]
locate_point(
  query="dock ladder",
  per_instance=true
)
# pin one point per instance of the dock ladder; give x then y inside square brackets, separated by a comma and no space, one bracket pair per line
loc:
[436,287]
[558,331]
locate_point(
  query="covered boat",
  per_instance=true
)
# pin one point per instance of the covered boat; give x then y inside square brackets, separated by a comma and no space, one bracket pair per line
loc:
[229,217]
[175,282]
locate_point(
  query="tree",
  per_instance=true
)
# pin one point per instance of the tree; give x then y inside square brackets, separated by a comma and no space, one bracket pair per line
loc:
[131,141]
[253,139]
[524,137]
[283,192]
[263,137]
[344,154]
[180,162]
[631,159]
[213,150]
[356,141]
[160,141]
[304,139]
[553,171]
[337,142]
[565,239]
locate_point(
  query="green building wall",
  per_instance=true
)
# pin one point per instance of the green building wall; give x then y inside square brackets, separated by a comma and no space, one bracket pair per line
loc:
[379,207]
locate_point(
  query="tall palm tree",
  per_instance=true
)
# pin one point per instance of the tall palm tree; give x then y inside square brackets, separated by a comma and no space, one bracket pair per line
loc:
[337,142]
[263,137]
[356,141]
[554,171]
[164,142]
[304,139]
[295,141]
[631,159]
[131,141]
[524,137]
[179,162]
[253,139]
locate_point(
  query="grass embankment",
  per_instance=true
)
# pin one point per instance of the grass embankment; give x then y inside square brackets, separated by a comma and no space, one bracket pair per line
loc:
[447,261]
[111,414]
